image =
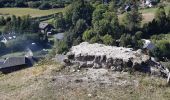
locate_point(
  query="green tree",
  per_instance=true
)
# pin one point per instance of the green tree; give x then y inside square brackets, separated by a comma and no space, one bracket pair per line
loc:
[132,20]
[160,15]
[68,12]
[80,27]
[112,6]
[95,39]
[126,40]
[60,23]
[88,34]
[98,13]
[107,39]
[2,21]
[102,27]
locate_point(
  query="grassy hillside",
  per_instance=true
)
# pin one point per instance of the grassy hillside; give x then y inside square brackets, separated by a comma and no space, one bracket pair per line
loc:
[26,11]
[48,81]
[148,14]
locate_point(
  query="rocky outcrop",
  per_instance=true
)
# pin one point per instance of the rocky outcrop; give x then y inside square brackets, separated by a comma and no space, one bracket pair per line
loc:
[97,55]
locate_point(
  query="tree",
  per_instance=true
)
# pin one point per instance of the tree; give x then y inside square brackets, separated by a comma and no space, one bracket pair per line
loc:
[60,23]
[61,47]
[107,39]
[88,34]
[68,12]
[102,27]
[96,39]
[2,21]
[138,35]
[82,10]
[132,20]
[160,15]
[112,6]
[8,19]
[98,13]
[80,27]
[126,40]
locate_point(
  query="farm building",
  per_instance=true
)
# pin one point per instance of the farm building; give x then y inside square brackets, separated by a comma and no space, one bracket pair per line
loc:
[16,63]
[12,64]
[149,3]
[7,37]
[46,28]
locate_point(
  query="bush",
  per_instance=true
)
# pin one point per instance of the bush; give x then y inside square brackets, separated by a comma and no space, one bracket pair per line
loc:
[108,40]
[126,40]
[138,34]
[88,34]
[62,47]
[60,23]
[95,39]
[162,49]
[2,21]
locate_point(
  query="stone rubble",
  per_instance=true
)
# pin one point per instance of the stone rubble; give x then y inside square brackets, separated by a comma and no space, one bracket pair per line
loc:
[96,55]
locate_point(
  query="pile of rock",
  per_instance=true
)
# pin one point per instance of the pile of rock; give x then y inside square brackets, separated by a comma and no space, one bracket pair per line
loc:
[96,55]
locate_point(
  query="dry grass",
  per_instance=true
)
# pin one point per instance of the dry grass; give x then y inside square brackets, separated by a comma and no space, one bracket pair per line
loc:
[44,82]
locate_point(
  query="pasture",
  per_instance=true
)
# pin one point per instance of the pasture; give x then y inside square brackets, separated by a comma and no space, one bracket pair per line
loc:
[148,14]
[27,11]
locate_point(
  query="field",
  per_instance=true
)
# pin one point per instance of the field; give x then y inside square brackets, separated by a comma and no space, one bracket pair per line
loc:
[148,14]
[26,11]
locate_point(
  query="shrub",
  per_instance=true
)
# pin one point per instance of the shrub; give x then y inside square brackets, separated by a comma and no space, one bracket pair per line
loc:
[87,35]
[2,21]
[95,39]
[162,49]
[60,23]
[107,39]
[62,47]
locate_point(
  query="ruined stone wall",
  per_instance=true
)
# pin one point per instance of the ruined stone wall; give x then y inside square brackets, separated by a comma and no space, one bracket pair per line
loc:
[101,56]
[96,55]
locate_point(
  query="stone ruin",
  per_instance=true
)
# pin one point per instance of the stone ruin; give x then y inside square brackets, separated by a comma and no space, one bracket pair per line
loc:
[96,55]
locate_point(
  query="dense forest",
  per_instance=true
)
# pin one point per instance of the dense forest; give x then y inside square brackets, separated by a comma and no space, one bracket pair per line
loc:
[99,23]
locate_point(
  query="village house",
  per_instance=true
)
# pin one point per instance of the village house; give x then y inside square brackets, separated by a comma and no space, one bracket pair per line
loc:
[7,37]
[46,28]
[12,64]
[149,3]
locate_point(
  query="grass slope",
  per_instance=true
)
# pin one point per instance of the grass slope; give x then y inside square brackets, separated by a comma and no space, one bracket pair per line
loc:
[26,11]
[48,81]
